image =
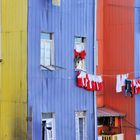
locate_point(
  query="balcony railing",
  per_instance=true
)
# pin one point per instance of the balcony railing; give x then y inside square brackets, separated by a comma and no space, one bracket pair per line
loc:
[111,137]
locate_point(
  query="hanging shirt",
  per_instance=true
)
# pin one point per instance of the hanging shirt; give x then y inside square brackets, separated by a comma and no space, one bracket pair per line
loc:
[137,86]
[128,87]
[123,78]
[133,86]
[100,80]
[93,82]
[118,84]
[89,82]
[99,83]
[80,79]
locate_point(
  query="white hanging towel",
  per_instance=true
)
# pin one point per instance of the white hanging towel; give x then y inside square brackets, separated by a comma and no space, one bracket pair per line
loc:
[79,47]
[118,84]
[123,78]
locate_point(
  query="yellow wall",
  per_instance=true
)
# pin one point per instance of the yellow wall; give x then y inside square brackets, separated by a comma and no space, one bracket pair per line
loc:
[13,77]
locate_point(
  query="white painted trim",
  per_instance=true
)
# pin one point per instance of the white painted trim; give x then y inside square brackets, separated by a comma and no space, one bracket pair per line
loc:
[53,127]
[81,115]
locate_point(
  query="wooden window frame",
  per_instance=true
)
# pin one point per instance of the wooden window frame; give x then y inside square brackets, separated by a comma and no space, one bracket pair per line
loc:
[83,44]
[81,115]
[43,63]
[52,118]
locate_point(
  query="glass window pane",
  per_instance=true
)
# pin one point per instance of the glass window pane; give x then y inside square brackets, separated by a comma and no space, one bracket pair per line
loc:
[47,53]
[81,128]
[78,39]
[48,126]
[42,52]
[47,50]
[46,36]
[80,125]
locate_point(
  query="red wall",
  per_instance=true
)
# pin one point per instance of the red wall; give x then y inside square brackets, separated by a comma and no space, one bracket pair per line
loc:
[117,54]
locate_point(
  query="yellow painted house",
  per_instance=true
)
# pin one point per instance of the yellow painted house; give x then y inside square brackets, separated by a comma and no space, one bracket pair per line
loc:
[13,69]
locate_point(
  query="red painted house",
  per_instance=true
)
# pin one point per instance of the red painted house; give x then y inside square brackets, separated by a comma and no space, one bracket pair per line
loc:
[115,38]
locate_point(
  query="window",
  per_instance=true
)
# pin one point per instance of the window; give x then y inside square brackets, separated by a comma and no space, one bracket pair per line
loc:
[80,120]
[108,121]
[48,126]
[80,53]
[47,51]
[56,2]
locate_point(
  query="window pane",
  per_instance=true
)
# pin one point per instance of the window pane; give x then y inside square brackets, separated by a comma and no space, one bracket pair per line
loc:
[81,128]
[78,39]
[47,50]
[42,52]
[46,36]
[47,53]
[80,125]
[48,127]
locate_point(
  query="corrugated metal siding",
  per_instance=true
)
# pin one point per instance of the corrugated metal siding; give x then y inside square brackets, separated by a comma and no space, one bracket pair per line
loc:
[56,91]
[13,95]
[137,58]
[0,44]
[119,56]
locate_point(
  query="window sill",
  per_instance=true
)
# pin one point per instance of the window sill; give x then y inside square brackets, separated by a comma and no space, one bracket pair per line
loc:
[50,68]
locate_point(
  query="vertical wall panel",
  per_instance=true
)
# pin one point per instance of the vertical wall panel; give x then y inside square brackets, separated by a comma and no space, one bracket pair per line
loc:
[13,95]
[56,91]
[0,42]
[119,57]
[137,59]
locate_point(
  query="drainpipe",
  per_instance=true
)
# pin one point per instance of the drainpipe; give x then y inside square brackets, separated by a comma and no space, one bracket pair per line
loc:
[95,58]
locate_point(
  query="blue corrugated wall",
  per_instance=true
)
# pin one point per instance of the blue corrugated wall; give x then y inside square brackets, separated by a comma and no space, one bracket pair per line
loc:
[57,91]
[137,59]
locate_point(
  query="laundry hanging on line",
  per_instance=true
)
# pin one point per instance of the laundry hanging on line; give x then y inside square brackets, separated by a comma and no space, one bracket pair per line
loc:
[89,81]
[131,87]
[120,82]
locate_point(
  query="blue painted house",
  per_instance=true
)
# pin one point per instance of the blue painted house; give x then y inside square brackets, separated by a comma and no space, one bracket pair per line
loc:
[57,108]
[137,63]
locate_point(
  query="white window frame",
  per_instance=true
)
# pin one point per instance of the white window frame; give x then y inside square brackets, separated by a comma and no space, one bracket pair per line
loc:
[83,45]
[78,116]
[47,120]
[44,62]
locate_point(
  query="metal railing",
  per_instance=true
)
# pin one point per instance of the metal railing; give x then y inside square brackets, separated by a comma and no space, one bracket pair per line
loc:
[106,137]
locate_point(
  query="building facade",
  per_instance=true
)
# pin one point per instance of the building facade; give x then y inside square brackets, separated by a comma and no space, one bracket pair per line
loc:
[137,63]
[13,81]
[57,108]
[118,42]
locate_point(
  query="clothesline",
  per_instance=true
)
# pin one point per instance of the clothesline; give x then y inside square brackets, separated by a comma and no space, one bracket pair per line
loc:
[114,75]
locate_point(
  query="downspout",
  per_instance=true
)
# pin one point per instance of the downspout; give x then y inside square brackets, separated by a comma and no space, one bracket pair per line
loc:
[95,57]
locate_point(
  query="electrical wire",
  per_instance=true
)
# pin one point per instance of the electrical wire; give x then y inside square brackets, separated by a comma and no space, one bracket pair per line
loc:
[131,125]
